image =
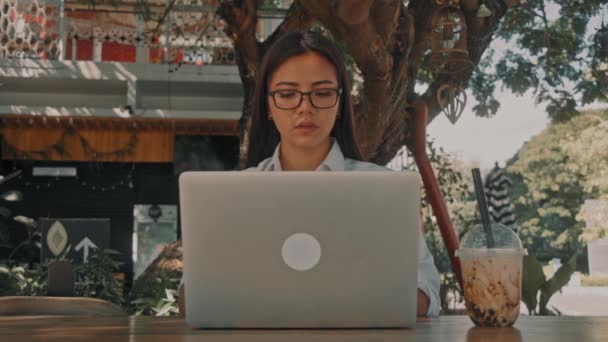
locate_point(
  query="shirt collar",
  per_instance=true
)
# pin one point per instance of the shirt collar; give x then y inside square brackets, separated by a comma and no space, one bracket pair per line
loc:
[334,161]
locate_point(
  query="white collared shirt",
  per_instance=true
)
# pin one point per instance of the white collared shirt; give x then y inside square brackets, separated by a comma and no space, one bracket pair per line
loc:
[428,277]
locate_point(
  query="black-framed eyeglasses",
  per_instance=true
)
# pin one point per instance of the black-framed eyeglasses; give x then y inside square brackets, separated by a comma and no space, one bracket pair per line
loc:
[319,98]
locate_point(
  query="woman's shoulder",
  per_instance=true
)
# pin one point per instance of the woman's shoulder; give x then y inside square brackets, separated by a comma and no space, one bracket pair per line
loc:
[262,166]
[357,165]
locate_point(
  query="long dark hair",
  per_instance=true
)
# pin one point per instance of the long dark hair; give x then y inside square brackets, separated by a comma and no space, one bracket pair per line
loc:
[264,136]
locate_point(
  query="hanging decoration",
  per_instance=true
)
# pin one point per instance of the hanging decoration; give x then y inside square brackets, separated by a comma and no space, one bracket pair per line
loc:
[59,148]
[453,99]
[449,55]
[450,60]
[126,150]
[483,11]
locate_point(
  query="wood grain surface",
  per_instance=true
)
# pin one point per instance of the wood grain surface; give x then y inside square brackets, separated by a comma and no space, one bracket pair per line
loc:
[449,328]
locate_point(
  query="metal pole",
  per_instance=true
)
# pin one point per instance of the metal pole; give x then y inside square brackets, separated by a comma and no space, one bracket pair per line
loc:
[168,35]
[417,144]
[74,49]
[141,53]
[63,42]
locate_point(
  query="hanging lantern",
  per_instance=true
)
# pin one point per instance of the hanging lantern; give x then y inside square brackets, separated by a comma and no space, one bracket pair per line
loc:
[449,55]
[452,99]
[483,11]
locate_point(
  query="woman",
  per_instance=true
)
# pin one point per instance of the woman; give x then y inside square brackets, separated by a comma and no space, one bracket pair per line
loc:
[302,120]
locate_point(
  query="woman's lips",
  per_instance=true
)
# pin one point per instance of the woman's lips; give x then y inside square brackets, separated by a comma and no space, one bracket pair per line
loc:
[306,128]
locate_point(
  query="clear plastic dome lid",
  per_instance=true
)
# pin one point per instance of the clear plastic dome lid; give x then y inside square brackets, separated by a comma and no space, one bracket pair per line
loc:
[504,239]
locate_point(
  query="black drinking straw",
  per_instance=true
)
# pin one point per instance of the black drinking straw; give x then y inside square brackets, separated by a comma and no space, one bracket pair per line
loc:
[483,207]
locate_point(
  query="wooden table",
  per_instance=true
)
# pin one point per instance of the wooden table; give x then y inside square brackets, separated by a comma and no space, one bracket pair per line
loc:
[448,328]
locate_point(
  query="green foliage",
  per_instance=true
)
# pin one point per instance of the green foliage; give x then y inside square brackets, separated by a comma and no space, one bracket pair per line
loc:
[155,297]
[534,281]
[32,281]
[456,187]
[19,237]
[10,280]
[94,278]
[483,86]
[18,280]
[553,174]
[455,183]
[552,53]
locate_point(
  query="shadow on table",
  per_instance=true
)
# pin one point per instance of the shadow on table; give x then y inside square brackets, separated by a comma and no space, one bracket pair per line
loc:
[477,334]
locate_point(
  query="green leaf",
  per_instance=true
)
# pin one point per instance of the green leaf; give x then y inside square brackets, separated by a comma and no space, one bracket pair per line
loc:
[533,278]
[560,279]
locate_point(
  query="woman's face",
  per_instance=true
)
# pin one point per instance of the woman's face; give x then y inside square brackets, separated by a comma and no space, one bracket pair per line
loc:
[302,123]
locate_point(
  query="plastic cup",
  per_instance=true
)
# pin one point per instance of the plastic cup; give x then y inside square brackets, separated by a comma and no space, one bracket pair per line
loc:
[492,276]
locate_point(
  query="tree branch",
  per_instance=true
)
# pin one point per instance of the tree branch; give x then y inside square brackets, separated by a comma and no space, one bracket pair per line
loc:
[547,34]
[421,12]
[354,12]
[241,18]
[296,19]
[512,3]
[164,16]
[398,118]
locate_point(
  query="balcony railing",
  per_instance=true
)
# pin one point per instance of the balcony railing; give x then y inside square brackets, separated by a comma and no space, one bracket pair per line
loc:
[131,31]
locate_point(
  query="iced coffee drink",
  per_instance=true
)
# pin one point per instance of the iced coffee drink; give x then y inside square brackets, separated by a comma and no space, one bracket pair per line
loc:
[491,276]
[492,289]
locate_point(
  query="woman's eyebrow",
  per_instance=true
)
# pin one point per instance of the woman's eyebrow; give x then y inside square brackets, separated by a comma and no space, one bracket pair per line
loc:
[323,82]
[294,84]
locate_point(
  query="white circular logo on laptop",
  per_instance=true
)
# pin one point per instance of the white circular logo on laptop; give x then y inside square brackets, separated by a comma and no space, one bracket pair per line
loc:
[301,251]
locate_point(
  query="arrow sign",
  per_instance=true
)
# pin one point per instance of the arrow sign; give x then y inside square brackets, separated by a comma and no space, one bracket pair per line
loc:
[76,232]
[86,243]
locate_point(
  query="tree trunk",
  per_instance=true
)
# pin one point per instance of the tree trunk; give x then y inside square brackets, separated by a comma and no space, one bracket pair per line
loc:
[388,43]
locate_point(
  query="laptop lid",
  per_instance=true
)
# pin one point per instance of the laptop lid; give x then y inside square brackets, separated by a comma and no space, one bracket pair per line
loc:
[300,249]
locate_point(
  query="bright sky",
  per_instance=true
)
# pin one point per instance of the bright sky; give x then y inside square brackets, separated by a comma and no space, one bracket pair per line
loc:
[496,139]
[487,140]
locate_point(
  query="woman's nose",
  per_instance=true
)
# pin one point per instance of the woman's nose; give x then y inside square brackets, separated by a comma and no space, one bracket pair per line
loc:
[305,104]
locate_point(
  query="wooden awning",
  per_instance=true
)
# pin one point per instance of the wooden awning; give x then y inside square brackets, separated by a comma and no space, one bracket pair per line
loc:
[109,139]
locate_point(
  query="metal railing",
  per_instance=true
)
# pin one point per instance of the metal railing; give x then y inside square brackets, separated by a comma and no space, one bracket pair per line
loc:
[137,31]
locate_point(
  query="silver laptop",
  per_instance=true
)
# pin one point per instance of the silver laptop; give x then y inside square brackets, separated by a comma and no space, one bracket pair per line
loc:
[300,249]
